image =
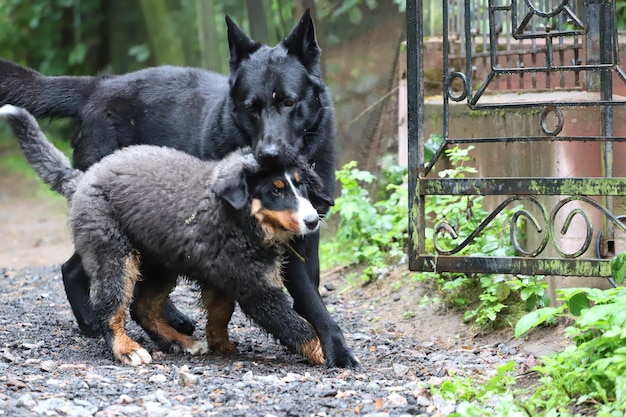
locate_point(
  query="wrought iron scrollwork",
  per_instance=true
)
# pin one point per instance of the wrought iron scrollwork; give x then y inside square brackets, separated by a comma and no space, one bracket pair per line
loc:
[544,226]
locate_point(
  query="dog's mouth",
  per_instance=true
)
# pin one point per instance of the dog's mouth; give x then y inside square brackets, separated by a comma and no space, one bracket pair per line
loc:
[281,226]
[274,153]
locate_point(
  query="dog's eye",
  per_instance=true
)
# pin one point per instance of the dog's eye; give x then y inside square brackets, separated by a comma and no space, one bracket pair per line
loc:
[288,102]
[277,192]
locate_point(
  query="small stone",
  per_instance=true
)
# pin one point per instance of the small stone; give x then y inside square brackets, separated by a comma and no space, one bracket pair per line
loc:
[185,379]
[8,356]
[48,366]
[26,401]
[160,378]
[396,400]
[30,346]
[125,399]
[400,370]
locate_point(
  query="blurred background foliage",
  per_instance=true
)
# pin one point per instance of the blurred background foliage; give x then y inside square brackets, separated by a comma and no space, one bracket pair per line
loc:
[360,41]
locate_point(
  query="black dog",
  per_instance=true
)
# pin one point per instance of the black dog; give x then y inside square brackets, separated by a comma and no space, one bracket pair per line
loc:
[274,101]
[223,224]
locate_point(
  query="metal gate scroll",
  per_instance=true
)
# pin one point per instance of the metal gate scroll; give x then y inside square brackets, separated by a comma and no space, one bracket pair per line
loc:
[527,45]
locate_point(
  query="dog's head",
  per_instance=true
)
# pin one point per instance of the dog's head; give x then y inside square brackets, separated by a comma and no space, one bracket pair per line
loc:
[279,101]
[284,200]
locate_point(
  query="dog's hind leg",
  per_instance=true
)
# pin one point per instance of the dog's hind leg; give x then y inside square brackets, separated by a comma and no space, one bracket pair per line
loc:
[76,283]
[219,308]
[150,296]
[175,318]
[112,284]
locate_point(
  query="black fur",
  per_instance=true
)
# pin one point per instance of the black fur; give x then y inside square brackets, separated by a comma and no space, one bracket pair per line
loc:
[274,100]
[221,224]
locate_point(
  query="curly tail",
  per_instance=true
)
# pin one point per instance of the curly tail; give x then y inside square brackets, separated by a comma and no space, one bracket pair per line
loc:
[51,164]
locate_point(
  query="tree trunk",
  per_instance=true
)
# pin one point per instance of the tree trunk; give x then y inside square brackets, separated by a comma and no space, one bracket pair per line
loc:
[165,43]
[258,23]
[207,36]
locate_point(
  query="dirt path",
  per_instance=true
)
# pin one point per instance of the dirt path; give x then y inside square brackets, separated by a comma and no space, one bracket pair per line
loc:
[33,228]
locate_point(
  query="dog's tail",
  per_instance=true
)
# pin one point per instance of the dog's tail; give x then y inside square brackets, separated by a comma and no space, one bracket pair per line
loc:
[51,164]
[42,96]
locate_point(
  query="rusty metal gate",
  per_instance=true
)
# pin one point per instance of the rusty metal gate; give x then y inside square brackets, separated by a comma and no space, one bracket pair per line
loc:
[566,55]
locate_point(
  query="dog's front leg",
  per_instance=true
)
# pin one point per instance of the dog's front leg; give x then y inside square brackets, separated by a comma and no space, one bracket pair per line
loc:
[271,309]
[302,280]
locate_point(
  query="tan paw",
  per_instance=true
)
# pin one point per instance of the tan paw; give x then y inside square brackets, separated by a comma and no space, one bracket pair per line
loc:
[225,347]
[136,357]
[312,350]
[198,348]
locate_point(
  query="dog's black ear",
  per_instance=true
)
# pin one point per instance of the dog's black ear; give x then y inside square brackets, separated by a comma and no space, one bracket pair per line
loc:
[235,192]
[240,45]
[302,42]
[318,196]
[231,178]
[321,201]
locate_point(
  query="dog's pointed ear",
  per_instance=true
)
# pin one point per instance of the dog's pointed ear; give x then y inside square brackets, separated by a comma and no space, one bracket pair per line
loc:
[230,181]
[302,42]
[321,202]
[239,44]
[319,197]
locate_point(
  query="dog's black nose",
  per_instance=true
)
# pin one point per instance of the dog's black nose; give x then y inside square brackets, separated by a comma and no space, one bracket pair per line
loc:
[271,151]
[311,222]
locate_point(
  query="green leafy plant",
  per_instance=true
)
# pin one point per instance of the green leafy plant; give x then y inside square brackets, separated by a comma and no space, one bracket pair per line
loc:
[587,378]
[370,233]
[491,296]
[592,370]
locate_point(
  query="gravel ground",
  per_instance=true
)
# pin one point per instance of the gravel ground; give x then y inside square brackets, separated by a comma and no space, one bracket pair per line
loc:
[47,368]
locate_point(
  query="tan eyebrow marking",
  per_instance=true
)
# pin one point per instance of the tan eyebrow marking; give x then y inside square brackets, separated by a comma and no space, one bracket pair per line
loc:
[296,176]
[279,184]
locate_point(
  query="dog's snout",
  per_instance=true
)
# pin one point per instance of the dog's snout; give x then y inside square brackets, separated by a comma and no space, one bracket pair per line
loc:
[311,222]
[269,151]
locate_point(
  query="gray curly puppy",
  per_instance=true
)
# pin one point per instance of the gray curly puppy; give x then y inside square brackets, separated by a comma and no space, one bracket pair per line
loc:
[224,225]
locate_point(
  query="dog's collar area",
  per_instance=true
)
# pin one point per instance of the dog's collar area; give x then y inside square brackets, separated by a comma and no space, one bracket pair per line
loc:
[294,252]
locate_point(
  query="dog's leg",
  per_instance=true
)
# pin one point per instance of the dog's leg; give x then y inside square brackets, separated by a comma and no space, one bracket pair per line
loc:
[219,310]
[270,308]
[302,280]
[174,317]
[76,283]
[113,281]
[148,307]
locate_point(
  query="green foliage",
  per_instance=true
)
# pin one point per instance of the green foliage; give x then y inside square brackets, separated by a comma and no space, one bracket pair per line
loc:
[493,296]
[54,35]
[589,375]
[620,12]
[592,371]
[370,233]
[468,391]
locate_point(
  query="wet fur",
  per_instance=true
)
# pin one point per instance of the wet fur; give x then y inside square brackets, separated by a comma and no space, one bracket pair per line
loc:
[274,100]
[147,208]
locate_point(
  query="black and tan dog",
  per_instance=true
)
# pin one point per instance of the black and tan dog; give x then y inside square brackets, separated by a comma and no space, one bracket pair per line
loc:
[274,100]
[222,224]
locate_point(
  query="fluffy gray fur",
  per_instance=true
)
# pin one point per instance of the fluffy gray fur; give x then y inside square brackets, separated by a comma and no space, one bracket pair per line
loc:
[169,207]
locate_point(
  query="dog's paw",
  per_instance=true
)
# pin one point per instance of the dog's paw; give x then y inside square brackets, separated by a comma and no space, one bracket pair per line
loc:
[198,348]
[344,360]
[136,357]
[224,347]
[312,350]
